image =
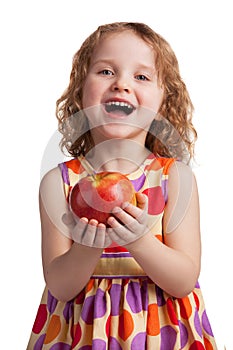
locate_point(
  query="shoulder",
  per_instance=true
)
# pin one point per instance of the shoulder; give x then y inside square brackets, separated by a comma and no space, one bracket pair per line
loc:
[182,185]
[182,175]
[182,196]
[51,179]
[53,202]
[62,172]
[52,187]
[165,163]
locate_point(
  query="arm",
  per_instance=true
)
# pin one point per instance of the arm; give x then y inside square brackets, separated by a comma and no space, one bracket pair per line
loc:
[67,265]
[175,265]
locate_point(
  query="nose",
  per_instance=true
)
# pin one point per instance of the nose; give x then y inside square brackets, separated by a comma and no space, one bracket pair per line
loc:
[122,84]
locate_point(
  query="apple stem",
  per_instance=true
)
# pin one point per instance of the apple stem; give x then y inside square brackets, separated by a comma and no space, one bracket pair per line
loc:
[89,169]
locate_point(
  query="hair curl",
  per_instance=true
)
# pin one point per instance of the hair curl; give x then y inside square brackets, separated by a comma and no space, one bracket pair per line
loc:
[170,135]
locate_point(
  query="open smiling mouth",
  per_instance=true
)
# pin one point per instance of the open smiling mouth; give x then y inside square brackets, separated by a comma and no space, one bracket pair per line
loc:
[120,109]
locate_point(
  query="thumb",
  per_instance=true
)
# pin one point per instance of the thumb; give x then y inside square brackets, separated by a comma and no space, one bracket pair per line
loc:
[142,200]
[68,219]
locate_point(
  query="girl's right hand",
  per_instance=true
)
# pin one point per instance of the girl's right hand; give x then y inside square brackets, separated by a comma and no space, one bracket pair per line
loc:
[89,233]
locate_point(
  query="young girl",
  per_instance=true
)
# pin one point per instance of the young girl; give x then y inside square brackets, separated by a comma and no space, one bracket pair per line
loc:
[131,283]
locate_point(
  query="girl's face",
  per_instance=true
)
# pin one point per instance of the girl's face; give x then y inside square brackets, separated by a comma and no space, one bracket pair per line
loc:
[122,83]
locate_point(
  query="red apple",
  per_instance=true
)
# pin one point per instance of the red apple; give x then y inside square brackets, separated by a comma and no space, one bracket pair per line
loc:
[95,196]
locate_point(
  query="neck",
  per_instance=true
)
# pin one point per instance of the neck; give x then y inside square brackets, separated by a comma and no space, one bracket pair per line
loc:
[120,155]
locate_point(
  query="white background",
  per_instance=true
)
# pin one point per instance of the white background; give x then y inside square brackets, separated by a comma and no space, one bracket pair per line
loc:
[38,40]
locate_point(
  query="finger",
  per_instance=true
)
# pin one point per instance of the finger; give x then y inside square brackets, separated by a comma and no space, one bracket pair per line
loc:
[114,236]
[79,229]
[123,217]
[135,212]
[90,233]
[123,239]
[131,215]
[68,219]
[118,232]
[142,200]
[100,236]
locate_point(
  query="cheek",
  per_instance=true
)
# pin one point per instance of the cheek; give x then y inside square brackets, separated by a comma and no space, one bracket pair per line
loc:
[86,95]
[158,99]
[90,94]
[153,99]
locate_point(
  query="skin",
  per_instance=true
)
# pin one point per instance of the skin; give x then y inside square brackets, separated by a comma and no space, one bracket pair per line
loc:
[117,72]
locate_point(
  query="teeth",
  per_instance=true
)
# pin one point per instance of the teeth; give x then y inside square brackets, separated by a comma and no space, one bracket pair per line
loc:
[117,103]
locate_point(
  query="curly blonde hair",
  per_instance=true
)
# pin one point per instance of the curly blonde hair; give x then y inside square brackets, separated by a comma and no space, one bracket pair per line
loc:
[170,135]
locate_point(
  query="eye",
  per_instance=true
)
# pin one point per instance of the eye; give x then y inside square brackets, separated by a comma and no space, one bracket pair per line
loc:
[106,72]
[141,77]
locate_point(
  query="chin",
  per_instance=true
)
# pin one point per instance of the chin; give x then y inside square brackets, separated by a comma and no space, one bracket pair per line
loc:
[120,131]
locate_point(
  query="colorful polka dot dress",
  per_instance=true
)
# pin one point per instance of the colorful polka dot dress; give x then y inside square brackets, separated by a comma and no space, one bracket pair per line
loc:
[121,308]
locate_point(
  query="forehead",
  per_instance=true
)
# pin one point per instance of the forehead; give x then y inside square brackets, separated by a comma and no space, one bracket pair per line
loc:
[124,43]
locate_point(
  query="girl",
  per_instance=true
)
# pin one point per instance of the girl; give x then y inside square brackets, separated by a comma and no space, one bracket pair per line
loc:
[131,283]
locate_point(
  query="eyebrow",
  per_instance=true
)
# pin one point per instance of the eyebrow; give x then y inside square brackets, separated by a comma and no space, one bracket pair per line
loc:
[103,60]
[111,61]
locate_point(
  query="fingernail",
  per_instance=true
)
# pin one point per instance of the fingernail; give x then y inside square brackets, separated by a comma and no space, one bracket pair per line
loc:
[110,220]
[116,210]
[85,220]
[93,222]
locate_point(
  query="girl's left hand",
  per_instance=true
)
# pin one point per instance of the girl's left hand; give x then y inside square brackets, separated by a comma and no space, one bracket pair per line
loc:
[129,222]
